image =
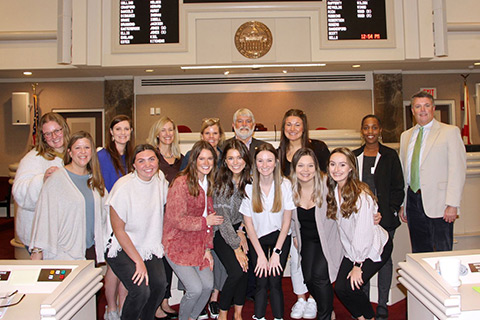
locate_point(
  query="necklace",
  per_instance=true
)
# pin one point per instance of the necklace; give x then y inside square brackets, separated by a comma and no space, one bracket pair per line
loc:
[167,157]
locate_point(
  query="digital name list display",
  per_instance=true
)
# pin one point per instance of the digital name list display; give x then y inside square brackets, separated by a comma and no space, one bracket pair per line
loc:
[356,20]
[148,22]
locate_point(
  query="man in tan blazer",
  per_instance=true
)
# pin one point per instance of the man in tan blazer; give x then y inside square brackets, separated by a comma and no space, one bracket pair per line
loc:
[432,197]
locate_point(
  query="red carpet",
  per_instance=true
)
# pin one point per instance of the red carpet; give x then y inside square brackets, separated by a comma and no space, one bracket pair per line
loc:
[396,312]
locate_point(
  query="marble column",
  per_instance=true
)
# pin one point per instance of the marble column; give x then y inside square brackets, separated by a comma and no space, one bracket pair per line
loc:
[118,99]
[388,104]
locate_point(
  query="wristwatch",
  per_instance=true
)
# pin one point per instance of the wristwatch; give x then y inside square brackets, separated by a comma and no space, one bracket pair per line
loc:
[277,251]
[358,264]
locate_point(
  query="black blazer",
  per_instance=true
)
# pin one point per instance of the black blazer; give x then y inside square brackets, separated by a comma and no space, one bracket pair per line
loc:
[389,185]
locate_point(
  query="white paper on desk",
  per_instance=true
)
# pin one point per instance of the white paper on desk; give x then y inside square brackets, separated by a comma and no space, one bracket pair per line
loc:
[24,277]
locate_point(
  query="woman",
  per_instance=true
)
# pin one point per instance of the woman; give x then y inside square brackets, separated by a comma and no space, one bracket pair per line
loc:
[115,162]
[316,237]
[367,246]
[68,222]
[188,233]
[230,242]
[211,132]
[134,251]
[379,167]
[36,167]
[164,136]
[267,211]
[295,136]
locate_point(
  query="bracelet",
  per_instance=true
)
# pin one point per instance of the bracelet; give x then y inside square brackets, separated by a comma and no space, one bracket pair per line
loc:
[37,250]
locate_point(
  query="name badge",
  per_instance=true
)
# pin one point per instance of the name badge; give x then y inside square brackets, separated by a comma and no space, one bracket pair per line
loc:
[372,170]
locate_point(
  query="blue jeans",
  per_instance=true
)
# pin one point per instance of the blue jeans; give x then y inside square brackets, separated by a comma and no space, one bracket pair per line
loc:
[142,301]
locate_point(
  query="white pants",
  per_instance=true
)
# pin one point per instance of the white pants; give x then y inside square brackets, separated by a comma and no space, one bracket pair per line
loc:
[298,283]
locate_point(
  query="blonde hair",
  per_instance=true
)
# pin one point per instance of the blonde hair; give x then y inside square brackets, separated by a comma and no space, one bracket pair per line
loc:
[93,167]
[41,146]
[213,122]
[257,203]
[318,185]
[155,130]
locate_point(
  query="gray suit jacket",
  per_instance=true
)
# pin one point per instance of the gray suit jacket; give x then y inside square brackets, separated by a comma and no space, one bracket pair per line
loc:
[442,167]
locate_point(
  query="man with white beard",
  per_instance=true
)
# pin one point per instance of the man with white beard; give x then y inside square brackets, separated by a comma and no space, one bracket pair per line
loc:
[244,126]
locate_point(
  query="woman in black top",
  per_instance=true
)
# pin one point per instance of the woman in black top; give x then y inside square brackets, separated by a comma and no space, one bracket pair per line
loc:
[295,136]
[379,166]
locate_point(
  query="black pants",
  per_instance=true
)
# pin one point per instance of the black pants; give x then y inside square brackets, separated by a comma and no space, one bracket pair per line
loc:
[142,301]
[235,286]
[384,279]
[356,301]
[168,275]
[272,283]
[426,234]
[316,277]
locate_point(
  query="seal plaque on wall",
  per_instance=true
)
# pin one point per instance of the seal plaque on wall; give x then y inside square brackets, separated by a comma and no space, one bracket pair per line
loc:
[253,39]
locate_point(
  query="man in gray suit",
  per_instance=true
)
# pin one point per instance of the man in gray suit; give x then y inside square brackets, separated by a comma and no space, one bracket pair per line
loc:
[244,126]
[434,165]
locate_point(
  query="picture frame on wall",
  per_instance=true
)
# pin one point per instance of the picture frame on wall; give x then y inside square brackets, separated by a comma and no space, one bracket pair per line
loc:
[89,120]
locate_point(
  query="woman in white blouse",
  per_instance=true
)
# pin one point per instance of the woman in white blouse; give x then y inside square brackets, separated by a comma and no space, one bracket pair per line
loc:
[267,214]
[366,245]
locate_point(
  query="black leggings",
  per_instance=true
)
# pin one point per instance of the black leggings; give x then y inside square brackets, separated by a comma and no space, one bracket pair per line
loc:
[356,301]
[235,286]
[272,283]
[316,277]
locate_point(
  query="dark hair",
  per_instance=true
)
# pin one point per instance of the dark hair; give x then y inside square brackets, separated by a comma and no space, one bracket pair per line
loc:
[41,145]
[422,94]
[224,184]
[141,148]
[368,116]
[351,190]
[93,167]
[112,148]
[284,142]
[191,170]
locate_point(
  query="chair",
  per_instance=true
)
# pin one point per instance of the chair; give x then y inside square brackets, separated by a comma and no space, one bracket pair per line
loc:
[321,128]
[5,194]
[181,128]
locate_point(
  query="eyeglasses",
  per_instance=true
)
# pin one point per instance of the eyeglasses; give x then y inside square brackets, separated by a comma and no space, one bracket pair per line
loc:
[213,120]
[49,135]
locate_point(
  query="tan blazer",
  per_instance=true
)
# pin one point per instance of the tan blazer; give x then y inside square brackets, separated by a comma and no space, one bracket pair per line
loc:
[442,168]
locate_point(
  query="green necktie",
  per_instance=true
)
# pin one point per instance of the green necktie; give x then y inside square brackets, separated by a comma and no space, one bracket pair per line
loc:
[415,167]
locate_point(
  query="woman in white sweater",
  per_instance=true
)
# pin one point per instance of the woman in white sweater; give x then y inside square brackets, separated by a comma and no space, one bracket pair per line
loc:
[134,250]
[69,224]
[35,168]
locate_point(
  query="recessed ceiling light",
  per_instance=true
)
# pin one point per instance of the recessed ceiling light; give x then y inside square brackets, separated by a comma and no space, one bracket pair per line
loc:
[226,73]
[476,64]
[27,73]
[356,66]
[285,71]
[149,70]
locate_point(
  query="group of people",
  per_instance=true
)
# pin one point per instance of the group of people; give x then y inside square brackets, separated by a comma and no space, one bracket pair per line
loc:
[231,211]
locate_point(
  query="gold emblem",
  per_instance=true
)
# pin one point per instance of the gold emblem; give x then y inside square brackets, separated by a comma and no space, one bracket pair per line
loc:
[253,39]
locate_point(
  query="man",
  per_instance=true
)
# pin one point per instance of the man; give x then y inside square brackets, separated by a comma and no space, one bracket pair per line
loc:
[434,165]
[244,126]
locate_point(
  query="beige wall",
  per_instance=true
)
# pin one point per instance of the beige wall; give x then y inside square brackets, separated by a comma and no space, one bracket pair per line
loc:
[333,110]
[15,141]
[449,87]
